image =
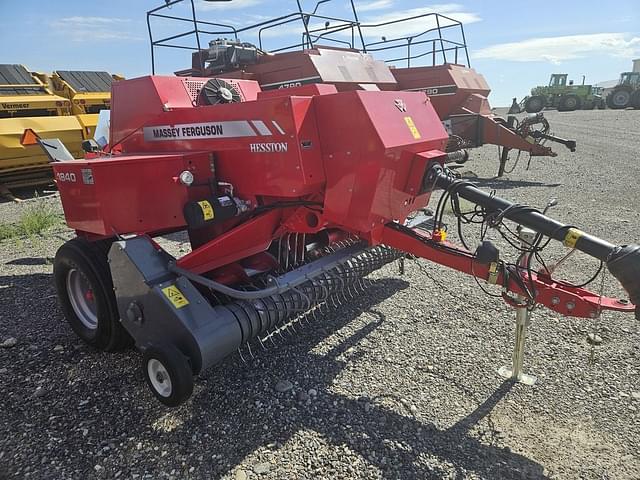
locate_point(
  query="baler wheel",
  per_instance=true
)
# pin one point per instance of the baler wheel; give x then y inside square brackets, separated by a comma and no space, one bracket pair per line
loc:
[85,293]
[168,374]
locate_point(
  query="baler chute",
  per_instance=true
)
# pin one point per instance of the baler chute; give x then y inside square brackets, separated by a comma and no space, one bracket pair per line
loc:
[288,203]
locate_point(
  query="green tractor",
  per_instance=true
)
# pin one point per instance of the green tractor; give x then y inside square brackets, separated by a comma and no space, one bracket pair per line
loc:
[626,93]
[561,94]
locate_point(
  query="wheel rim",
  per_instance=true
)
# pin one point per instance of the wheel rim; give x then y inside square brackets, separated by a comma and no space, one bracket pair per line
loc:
[621,98]
[571,103]
[82,298]
[159,377]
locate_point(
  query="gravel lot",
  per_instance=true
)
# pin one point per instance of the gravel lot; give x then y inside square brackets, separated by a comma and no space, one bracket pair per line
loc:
[400,383]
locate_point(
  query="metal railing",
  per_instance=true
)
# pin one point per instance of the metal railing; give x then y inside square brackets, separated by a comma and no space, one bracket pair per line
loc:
[346,33]
[431,37]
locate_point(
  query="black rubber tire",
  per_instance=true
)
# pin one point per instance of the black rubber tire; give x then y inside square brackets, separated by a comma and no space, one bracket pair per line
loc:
[569,103]
[619,102]
[635,99]
[178,369]
[90,258]
[535,104]
[602,104]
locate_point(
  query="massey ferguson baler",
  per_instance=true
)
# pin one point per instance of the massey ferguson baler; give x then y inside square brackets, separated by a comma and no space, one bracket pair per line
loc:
[290,198]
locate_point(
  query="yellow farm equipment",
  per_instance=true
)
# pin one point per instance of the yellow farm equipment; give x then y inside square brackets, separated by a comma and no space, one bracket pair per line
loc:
[89,92]
[64,105]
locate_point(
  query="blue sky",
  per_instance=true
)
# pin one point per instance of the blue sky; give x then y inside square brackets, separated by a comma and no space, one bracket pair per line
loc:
[515,45]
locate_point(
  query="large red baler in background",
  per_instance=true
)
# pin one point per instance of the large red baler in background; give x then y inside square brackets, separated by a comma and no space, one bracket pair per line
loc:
[342,52]
[290,197]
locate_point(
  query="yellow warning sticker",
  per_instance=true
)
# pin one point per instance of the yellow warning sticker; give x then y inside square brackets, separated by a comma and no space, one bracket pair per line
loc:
[207,209]
[493,273]
[412,127]
[571,238]
[175,296]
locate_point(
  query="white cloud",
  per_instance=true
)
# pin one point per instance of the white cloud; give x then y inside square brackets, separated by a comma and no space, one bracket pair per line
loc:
[82,29]
[418,25]
[558,49]
[376,5]
[88,21]
[243,20]
[232,5]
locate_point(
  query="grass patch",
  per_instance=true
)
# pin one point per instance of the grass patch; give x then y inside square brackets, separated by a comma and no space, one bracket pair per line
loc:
[8,231]
[35,219]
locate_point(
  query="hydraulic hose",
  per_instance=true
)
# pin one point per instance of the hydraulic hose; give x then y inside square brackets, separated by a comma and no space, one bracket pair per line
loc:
[622,261]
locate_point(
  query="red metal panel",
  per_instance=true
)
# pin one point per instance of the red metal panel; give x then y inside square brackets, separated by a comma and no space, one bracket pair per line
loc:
[449,86]
[247,239]
[552,295]
[343,67]
[136,102]
[129,193]
[368,153]
[497,134]
[302,91]
[274,150]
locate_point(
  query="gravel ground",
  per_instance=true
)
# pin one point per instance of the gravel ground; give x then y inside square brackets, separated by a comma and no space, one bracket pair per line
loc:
[399,383]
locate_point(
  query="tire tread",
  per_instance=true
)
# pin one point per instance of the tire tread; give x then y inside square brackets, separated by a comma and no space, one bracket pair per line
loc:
[94,256]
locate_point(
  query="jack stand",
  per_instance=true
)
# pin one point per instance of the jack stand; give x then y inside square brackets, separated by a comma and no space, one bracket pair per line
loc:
[523,319]
[401,265]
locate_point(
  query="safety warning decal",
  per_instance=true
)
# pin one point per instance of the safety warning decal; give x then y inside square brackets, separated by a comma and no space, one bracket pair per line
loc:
[412,128]
[207,210]
[175,296]
[572,237]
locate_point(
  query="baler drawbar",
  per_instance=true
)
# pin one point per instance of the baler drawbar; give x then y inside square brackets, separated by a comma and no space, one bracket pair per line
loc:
[289,198]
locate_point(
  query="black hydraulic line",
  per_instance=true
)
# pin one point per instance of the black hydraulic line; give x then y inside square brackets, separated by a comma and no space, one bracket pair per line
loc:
[593,246]
[623,262]
[282,284]
[570,144]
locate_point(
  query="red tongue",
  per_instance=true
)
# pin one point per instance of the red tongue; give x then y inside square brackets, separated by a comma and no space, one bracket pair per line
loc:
[89,295]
